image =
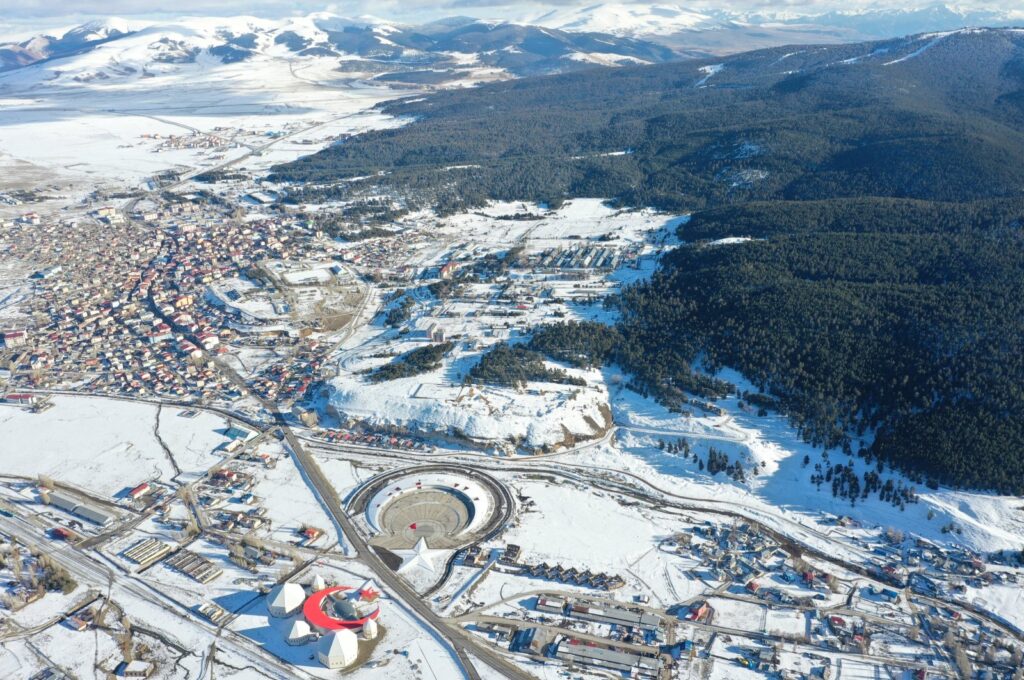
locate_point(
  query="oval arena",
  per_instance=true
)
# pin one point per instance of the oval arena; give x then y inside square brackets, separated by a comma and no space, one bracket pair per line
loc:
[449,507]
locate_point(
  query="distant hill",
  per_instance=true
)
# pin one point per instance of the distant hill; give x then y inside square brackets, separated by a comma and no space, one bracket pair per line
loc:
[728,31]
[881,302]
[935,116]
[115,49]
[75,41]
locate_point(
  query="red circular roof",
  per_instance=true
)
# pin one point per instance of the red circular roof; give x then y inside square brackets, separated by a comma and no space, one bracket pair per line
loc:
[313,610]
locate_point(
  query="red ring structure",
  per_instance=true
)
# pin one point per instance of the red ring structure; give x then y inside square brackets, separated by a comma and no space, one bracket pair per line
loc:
[313,610]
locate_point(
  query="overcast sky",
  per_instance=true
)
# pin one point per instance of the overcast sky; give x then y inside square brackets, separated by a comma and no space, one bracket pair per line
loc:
[25,16]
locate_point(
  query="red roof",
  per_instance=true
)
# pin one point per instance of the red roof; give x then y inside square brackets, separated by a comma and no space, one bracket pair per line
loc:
[139,490]
[313,610]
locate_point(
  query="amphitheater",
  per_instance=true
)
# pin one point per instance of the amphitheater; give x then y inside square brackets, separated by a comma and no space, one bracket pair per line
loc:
[449,507]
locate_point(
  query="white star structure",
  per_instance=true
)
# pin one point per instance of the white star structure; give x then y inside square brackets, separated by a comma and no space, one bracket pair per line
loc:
[419,558]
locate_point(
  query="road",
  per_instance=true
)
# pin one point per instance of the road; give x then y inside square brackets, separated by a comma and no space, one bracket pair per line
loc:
[90,571]
[460,641]
[789,532]
[457,640]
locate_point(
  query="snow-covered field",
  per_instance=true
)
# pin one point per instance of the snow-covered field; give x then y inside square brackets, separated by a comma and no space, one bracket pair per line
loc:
[290,503]
[98,118]
[782,485]
[542,414]
[535,417]
[104,446]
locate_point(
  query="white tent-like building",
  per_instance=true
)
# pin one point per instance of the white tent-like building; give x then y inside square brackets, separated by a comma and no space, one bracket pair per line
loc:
[369,631]
[338,649]
[300,633]
[318,583]
[285,600]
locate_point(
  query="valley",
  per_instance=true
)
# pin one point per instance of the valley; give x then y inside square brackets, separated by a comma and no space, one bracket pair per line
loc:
[499,350]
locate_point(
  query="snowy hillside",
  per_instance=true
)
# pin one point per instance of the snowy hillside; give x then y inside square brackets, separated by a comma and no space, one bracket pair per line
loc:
[724,31]
[113,49]
[662,19]
[628,19]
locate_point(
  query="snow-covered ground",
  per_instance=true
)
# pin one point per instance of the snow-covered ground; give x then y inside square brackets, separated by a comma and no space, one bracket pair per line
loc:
[541,414]
[290,503]
[782,485]
[53,130]
[104,445]
[535,417]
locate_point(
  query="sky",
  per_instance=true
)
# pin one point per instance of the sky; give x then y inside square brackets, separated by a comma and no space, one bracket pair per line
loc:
[25,17]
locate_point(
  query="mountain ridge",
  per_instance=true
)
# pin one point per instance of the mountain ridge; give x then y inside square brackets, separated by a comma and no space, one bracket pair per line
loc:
[671,26]
[511,47]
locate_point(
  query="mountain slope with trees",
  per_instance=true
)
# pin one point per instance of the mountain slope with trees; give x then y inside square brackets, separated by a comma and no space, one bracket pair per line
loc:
[881,302]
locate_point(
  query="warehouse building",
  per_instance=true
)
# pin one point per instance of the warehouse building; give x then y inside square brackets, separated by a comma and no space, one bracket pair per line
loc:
[69,504]
[616,616]
[589,654]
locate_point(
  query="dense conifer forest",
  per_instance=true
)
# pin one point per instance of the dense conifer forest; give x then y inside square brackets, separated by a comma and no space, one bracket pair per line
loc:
[880,301]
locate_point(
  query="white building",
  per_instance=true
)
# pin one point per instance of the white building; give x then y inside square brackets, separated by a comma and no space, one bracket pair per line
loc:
[369,631]
[338,649]
[285,600]
[300,633]
[318,583]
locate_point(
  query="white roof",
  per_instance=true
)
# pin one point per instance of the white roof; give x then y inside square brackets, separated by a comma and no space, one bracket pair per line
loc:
[286,597]
[300,629]
[370,629]
[421,558]
[341,646]
[318,583]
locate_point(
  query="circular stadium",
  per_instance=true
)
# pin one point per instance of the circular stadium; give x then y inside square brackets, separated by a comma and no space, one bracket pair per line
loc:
[448,506]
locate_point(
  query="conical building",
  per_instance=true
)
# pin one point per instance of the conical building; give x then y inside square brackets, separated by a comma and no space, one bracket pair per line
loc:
[370,630]
[300,633]
[338,649]
[285,600]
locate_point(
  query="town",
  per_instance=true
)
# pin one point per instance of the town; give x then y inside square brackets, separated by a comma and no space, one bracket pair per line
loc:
[202,308]
[255,429]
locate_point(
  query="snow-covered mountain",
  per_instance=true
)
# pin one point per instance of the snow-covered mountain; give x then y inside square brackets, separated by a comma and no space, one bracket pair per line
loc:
[900,22]
[532,42]
[642,19]
[77,40]
[722,31]
[381,50]
[629,19]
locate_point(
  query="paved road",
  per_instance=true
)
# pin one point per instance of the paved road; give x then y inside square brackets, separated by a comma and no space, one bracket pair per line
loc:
[460,641]
[91,571]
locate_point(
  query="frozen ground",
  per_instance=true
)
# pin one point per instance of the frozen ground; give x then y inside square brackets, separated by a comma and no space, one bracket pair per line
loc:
[106,445]
[544,414]
[589,529]
[782,485]
[1006,600]
[53,131]
[289,502]
[541,414]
